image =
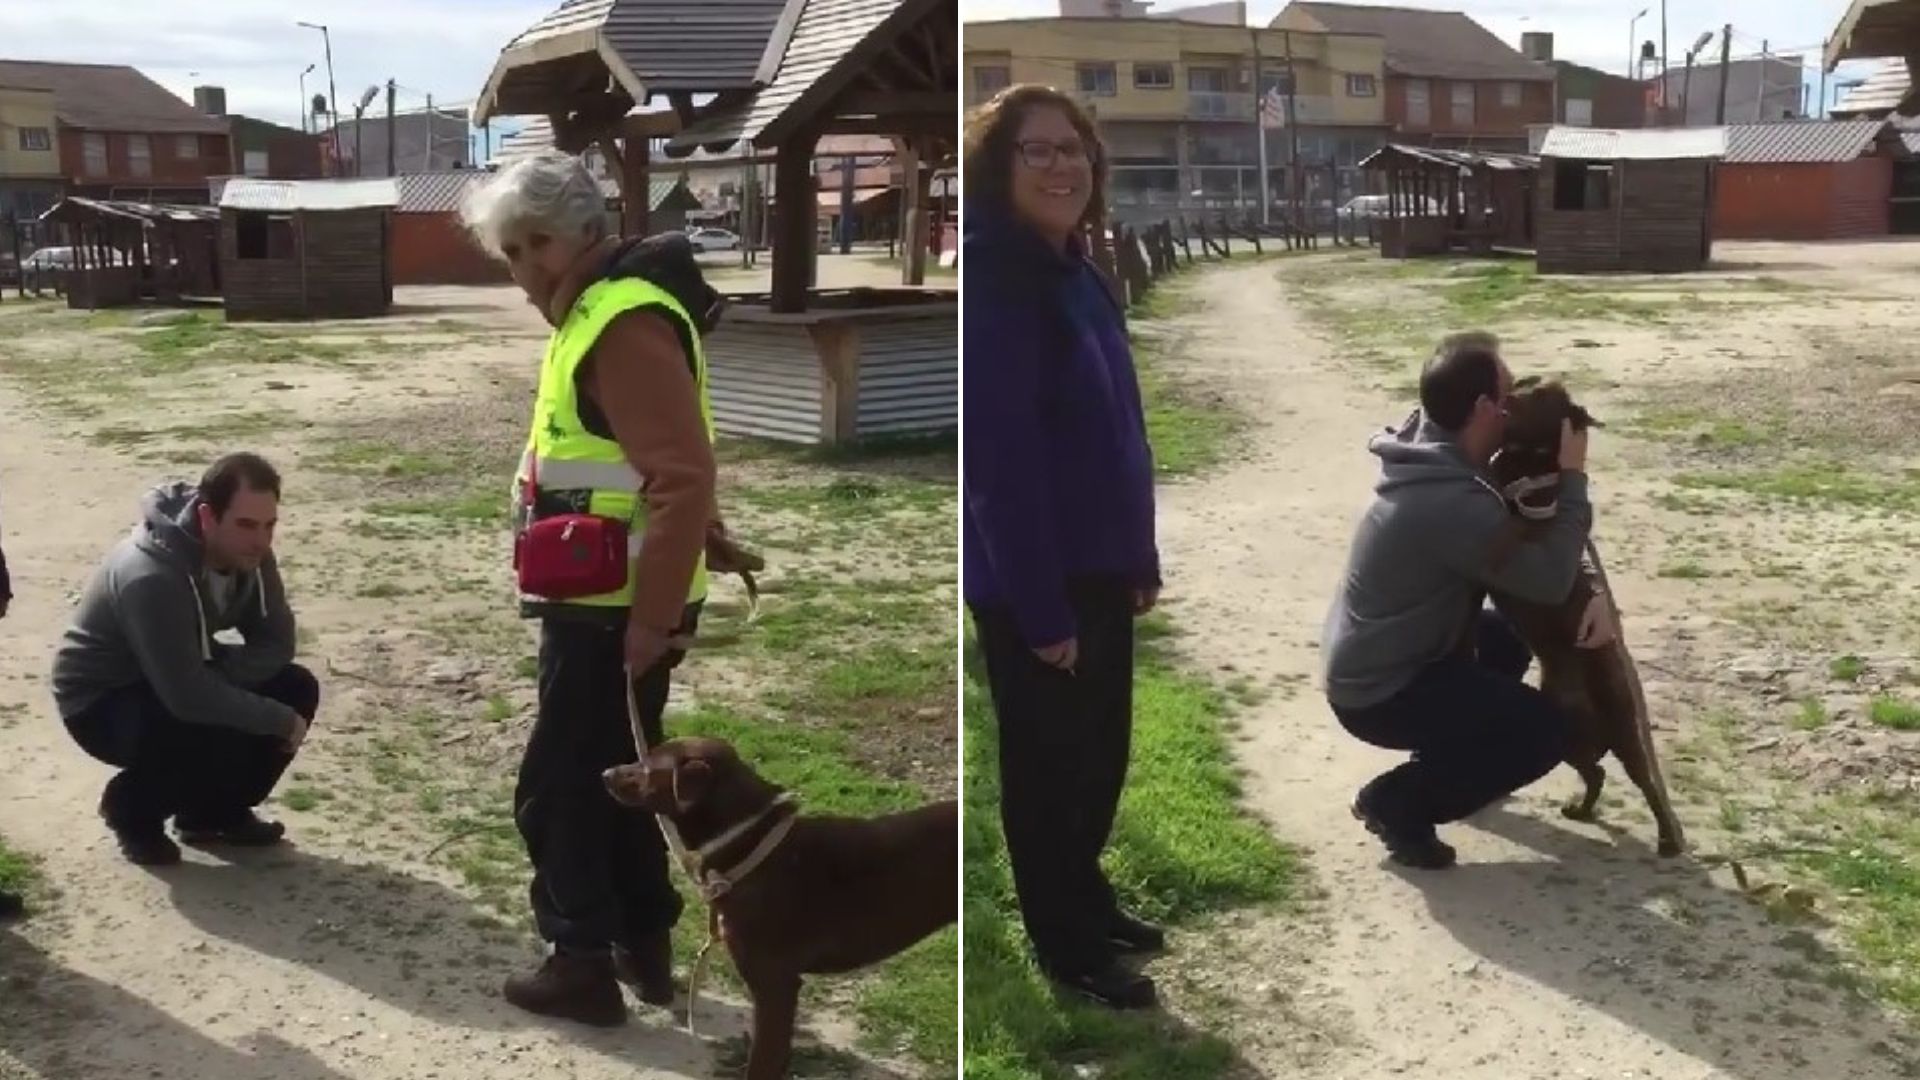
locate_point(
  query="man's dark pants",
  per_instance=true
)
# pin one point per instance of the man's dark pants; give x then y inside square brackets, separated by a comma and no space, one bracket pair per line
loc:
[1477,732]
[204,774]
[600,873]
[1064,742]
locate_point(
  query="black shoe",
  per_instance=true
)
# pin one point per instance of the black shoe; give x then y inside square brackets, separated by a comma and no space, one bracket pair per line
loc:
[1417,846]
[147,846]
[572,986]
[647,966]
[1129,934]
[1111,985]
[246,830]
[11,906]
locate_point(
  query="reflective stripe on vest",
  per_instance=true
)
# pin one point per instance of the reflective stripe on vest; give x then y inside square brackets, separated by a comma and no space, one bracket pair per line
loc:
[562,455]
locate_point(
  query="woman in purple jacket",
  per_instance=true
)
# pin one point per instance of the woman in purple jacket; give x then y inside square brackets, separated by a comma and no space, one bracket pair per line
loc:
[1059,547]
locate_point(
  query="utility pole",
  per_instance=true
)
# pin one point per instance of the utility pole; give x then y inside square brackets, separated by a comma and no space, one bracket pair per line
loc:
[1665,106]
[1760,84]
[1294,175]
[846,204]
[1260,126]
[391,90]
[1823,78]
[1726,54]
[426,163]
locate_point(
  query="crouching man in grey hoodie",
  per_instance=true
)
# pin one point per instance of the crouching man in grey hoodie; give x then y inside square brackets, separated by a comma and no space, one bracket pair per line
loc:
[200,729]
[1422,561]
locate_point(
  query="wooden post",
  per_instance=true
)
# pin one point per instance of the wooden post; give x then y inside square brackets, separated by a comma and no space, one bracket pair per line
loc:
[915,178]
[795,213]
[634,186]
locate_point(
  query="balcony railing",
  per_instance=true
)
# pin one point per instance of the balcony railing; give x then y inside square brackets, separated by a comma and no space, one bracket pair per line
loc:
[1212,105]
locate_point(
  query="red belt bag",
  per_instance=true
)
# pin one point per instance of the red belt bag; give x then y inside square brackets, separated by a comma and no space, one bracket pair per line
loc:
[568,556]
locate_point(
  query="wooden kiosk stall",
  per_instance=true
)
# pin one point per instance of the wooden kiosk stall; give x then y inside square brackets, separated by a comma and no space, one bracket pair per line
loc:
[796,363]
[1440,200]
[126,252]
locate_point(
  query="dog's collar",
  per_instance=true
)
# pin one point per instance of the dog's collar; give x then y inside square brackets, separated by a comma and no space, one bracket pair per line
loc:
[1517,492]
[715,883]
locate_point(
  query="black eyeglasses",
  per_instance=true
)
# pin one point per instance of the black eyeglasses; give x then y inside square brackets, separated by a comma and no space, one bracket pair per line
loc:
[1042,153]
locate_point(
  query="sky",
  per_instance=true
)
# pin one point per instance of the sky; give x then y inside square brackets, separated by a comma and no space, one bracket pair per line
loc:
[256,51]
[1586,31]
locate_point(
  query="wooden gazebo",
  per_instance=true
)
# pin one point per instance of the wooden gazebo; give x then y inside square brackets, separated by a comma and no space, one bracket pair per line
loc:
[1440,200]
[796,363]
[126,252]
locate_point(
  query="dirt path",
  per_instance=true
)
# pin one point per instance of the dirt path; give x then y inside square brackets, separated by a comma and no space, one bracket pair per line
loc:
[1555,950]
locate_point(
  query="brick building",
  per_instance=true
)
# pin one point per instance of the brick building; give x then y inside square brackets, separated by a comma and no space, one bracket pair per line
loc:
[120,135]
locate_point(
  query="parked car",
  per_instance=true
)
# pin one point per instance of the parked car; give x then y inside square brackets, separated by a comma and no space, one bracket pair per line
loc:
[48,258]
[713,240]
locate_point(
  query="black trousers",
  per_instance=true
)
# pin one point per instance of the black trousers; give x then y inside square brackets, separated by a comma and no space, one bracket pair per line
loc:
[600,873]
[1477,732]
[204,774]
[1064,742]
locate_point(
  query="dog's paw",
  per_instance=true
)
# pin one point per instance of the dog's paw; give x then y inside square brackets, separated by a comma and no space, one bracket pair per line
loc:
[1669,848]
[1574,811]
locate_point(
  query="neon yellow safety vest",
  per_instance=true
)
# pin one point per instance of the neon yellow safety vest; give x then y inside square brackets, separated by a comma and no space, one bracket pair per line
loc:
[568,457]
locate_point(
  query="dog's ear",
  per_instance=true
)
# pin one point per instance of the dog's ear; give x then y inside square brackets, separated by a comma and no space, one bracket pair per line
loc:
[691,783]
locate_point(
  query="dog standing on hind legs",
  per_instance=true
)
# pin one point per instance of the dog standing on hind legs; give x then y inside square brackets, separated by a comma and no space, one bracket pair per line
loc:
[795,894]
[1599,688]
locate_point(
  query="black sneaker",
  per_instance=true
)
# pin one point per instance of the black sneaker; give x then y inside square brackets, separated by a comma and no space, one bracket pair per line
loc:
[1130,934]
[246,830]
[1113,986]
[1409,845]
[148,846]
[11,906]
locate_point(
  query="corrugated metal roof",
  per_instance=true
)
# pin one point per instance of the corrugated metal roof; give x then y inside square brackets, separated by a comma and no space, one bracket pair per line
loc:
[823,40]
[1650,144]
[109,97]
[1430,44]
[1880,94]
[435,192]
[1461,159]
[1802,142]
[244,193]
[1910,140]
[65,210]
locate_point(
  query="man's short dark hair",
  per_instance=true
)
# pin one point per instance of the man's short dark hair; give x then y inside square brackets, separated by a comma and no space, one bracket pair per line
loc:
[226,477]
[1464,369]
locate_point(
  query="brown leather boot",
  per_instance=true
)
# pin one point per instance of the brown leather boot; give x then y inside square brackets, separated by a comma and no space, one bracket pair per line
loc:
[572,986]
[647,966]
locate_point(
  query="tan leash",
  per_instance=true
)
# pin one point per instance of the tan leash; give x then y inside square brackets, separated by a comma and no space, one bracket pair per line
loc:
[679,850]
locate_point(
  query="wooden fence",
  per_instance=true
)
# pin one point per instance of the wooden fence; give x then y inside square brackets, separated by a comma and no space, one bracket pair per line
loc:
[1135,258]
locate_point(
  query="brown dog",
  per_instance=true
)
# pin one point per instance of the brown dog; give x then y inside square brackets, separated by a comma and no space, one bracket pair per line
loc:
[1600,688]
[795,894]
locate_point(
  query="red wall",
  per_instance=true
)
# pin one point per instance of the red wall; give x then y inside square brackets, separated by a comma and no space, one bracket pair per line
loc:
[435,249]
[1804,202]
[169,170]
[1490,118]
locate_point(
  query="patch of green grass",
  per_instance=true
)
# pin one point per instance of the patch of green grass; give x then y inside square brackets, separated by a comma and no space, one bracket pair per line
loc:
[370,458]
[303,798]
[486,507]
[1847,668]
[1697,426]
[1814,482]
[1891,712]
[1182,848]
[203,338]
[1880,872]
[1687,570]
[1812,715]
[19,873]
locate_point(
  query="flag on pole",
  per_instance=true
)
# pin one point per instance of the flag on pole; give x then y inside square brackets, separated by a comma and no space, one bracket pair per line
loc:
[1273,109]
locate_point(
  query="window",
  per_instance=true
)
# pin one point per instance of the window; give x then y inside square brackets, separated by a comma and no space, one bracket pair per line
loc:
[263,236]
[1579,112]
[139,155]
[1419,103]
[254,163]
[1276,83]
[36,138]
[93,146]
[1463,99]
[1153,76]
[1578,185]
[1207,80]
[1098,80]
[1361,86]
[186,147]
[989,80]
[1509,95]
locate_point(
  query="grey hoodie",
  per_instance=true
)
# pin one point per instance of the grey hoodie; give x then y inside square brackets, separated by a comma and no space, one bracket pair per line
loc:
[144,617]
[1422,553]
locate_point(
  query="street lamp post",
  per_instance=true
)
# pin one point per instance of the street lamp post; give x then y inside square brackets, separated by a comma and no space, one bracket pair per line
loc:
[306,107]
[1633,44]
[333,98]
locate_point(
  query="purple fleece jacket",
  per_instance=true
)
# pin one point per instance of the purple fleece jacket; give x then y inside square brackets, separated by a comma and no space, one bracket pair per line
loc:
[1057,476]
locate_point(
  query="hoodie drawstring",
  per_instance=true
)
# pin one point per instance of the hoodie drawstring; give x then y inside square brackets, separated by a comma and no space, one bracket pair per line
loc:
[200,609]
